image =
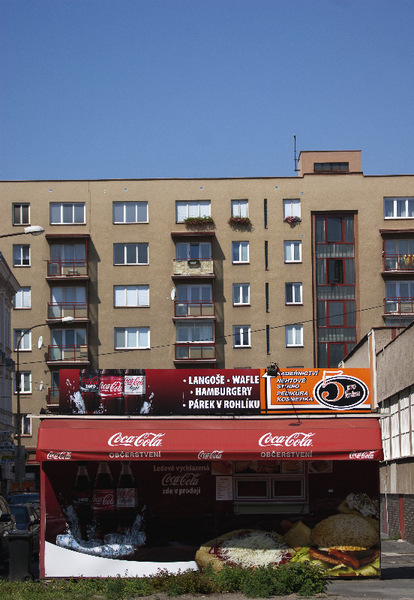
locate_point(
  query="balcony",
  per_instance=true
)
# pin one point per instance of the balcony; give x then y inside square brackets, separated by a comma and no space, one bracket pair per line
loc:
[193,309]
[399,306]
[193,268]
[398,262]
[193,352]
[77,310]
[68,354]
[67,269]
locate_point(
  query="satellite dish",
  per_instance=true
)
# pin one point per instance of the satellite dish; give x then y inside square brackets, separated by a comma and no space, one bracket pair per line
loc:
[173,294]
[40,342]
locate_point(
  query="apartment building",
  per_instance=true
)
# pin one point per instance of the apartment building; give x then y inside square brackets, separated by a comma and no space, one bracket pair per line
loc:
[205,273]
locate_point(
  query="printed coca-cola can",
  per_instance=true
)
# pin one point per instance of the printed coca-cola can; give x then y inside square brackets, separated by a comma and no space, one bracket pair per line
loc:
[111,392]
[89,389]
[134,391]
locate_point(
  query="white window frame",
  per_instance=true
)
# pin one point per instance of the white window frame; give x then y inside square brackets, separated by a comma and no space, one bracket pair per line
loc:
[137,209]
[125,253]
[20,206]
[239,208]
[237,251]
[239,336]
[296,333]
[25,425]
[296,292]
[19,258]
[289,248]
[191,208]
[23,298]
[128,334]
[25,342]
[25,382]
[241,290]
[131,296]
[62,208]
[291,208]
[400,205]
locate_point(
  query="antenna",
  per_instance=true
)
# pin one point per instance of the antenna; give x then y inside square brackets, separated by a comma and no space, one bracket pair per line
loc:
[294,153]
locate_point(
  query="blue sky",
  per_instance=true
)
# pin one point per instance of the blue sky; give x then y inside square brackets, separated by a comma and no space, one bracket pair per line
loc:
[93,89]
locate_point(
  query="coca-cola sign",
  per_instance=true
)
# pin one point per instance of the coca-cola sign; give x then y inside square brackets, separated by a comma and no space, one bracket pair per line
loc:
[362,455]
[87,384]
[134,384]
[147,439]
[64,455]
[184,479]
[214,455]
[294,440]
[111,387]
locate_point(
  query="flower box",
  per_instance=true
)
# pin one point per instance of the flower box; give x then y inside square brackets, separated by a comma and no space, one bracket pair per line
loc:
[292,220]
[239,221]
[196,221]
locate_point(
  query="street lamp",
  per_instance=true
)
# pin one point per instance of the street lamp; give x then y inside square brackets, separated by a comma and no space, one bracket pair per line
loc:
[31,229]
[17,463]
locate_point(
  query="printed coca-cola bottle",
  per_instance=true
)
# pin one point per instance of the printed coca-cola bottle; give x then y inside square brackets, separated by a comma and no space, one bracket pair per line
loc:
[126,499]
[134,391]
[103,502]
[82,499]
[89,389]
[111,390]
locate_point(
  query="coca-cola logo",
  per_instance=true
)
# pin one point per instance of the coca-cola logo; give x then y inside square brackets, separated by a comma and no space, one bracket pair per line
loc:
[147,439]
[89,383]
[185,479]
[111,387]
[362,455]
[105,500]
[134,383]
[214,455]
[64,455]
[294,440]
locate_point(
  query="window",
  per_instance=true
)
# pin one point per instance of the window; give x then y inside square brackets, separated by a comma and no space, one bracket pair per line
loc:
[399,208]
[293,293]
[291,208]
[193,250]
[21,255]
[195,331]
[131,254]
[25,425]
[25,342]
[294,335]
[399,296]
[399,254]
[331,167]
[25,382]
[195,293]
[23,298]
[132,338]
[241,293]
[293,251]
[69,338]
[240,252]
[21,214]
[239,208]
[67,213]
[241,336]
[192,208]
[130,212]
[68,252]
[131,296]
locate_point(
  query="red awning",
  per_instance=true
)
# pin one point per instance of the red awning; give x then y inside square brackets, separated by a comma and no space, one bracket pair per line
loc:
[209,439]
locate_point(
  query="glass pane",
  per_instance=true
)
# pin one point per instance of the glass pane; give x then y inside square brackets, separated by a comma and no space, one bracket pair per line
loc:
[131,254]
[410,211]
[181,209]
[388,208]
[130,212]
[79,213]
[119,338]
[143,337]
[350,314]
[390,247]
[142,254]
[132,338]
[118,212]
[142,212]
[181,250]
[349,228]
[401,207]
[143,295]
[320,229]
[336,354]
[119,295]
[205,250]
[252,489]
[205,209]
[336,313]
[334,229]
[68,213]
[55,213]
[118,254]
[193,209]
[131,296]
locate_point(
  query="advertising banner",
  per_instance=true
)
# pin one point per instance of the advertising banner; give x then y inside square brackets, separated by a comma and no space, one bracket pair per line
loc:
[193,392]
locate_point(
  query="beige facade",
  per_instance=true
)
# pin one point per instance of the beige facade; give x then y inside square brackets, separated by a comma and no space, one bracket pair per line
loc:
[270,291]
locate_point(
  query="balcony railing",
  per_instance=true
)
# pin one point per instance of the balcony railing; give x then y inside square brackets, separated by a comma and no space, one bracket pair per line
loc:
[194,309]
[194,351]
[67,268]
[399,306]
[398,262]
[58,310]
[68,353]
[193,267]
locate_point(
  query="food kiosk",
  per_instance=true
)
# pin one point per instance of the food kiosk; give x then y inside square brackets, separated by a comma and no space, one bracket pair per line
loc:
[176,469]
